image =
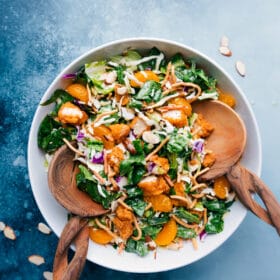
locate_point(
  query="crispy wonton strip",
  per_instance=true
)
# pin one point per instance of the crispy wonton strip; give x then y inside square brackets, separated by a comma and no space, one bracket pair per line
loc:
[184,84]
[182,223]
[139,231]
[157,148]
[100,225]
[194,243]
[72,148]
[99,117]
[186,199]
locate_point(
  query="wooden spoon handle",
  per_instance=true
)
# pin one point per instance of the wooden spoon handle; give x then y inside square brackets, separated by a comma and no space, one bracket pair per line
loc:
[244,183]
[77,232]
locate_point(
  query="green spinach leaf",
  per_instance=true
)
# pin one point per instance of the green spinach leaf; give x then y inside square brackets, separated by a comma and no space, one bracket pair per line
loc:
[86,183]
[182,213]
[151,64]
[217,206]
[150,91]
[215,223]
[185,233]
[51,134]
[139,247]
[177,143]
[138,205]
[60,96]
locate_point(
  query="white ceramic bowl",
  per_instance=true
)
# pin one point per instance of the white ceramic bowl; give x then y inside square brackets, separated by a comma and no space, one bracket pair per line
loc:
[56,215]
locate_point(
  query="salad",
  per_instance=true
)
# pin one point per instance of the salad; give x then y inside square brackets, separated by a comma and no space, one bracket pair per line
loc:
[140,149]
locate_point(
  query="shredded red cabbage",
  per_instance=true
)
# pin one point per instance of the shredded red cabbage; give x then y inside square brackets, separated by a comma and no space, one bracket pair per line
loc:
[132,136]
[202,235]
[80,135]
[118,179]
[198,146]
[151,166]
[98,158]
[69,76]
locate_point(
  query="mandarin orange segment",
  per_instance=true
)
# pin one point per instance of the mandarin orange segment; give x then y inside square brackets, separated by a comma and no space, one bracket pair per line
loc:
[100,236]
[221,187]
[105,135]
[78,91]
[227,99]
[167,234]
[160,202]
[144,76]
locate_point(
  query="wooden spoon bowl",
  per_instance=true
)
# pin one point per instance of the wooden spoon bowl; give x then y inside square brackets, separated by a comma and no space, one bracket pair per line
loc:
[62,183]
[228,142]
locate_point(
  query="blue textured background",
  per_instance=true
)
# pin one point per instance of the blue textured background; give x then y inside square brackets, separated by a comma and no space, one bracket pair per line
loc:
[39,38]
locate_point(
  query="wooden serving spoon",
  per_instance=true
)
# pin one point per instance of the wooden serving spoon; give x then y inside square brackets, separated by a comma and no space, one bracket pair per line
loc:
[227,142]
[62,183]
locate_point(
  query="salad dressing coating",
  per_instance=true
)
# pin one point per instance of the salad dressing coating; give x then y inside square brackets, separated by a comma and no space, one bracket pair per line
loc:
[140,149]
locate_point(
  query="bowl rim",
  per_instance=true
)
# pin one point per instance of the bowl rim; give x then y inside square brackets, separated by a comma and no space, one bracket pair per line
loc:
[135,40]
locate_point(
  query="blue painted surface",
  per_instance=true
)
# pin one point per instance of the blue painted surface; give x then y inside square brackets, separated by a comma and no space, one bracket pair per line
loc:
[39,38]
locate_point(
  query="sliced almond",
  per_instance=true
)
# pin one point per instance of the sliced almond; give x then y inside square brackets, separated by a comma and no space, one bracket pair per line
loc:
[224,41]
[240,67]
[150,138]
[2,226]
[48,275]
[122,90]
[111,77]
[9,233]
[44,228]
[225,51]
[36,259]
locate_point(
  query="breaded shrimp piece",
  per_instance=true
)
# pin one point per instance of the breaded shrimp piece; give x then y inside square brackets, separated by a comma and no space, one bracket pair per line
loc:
[208,160]
[124,228]
[162,165]
[176,117]
[119,131]
[203,127]
[153,185]
[72,114]
[115,157]
[124,214]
